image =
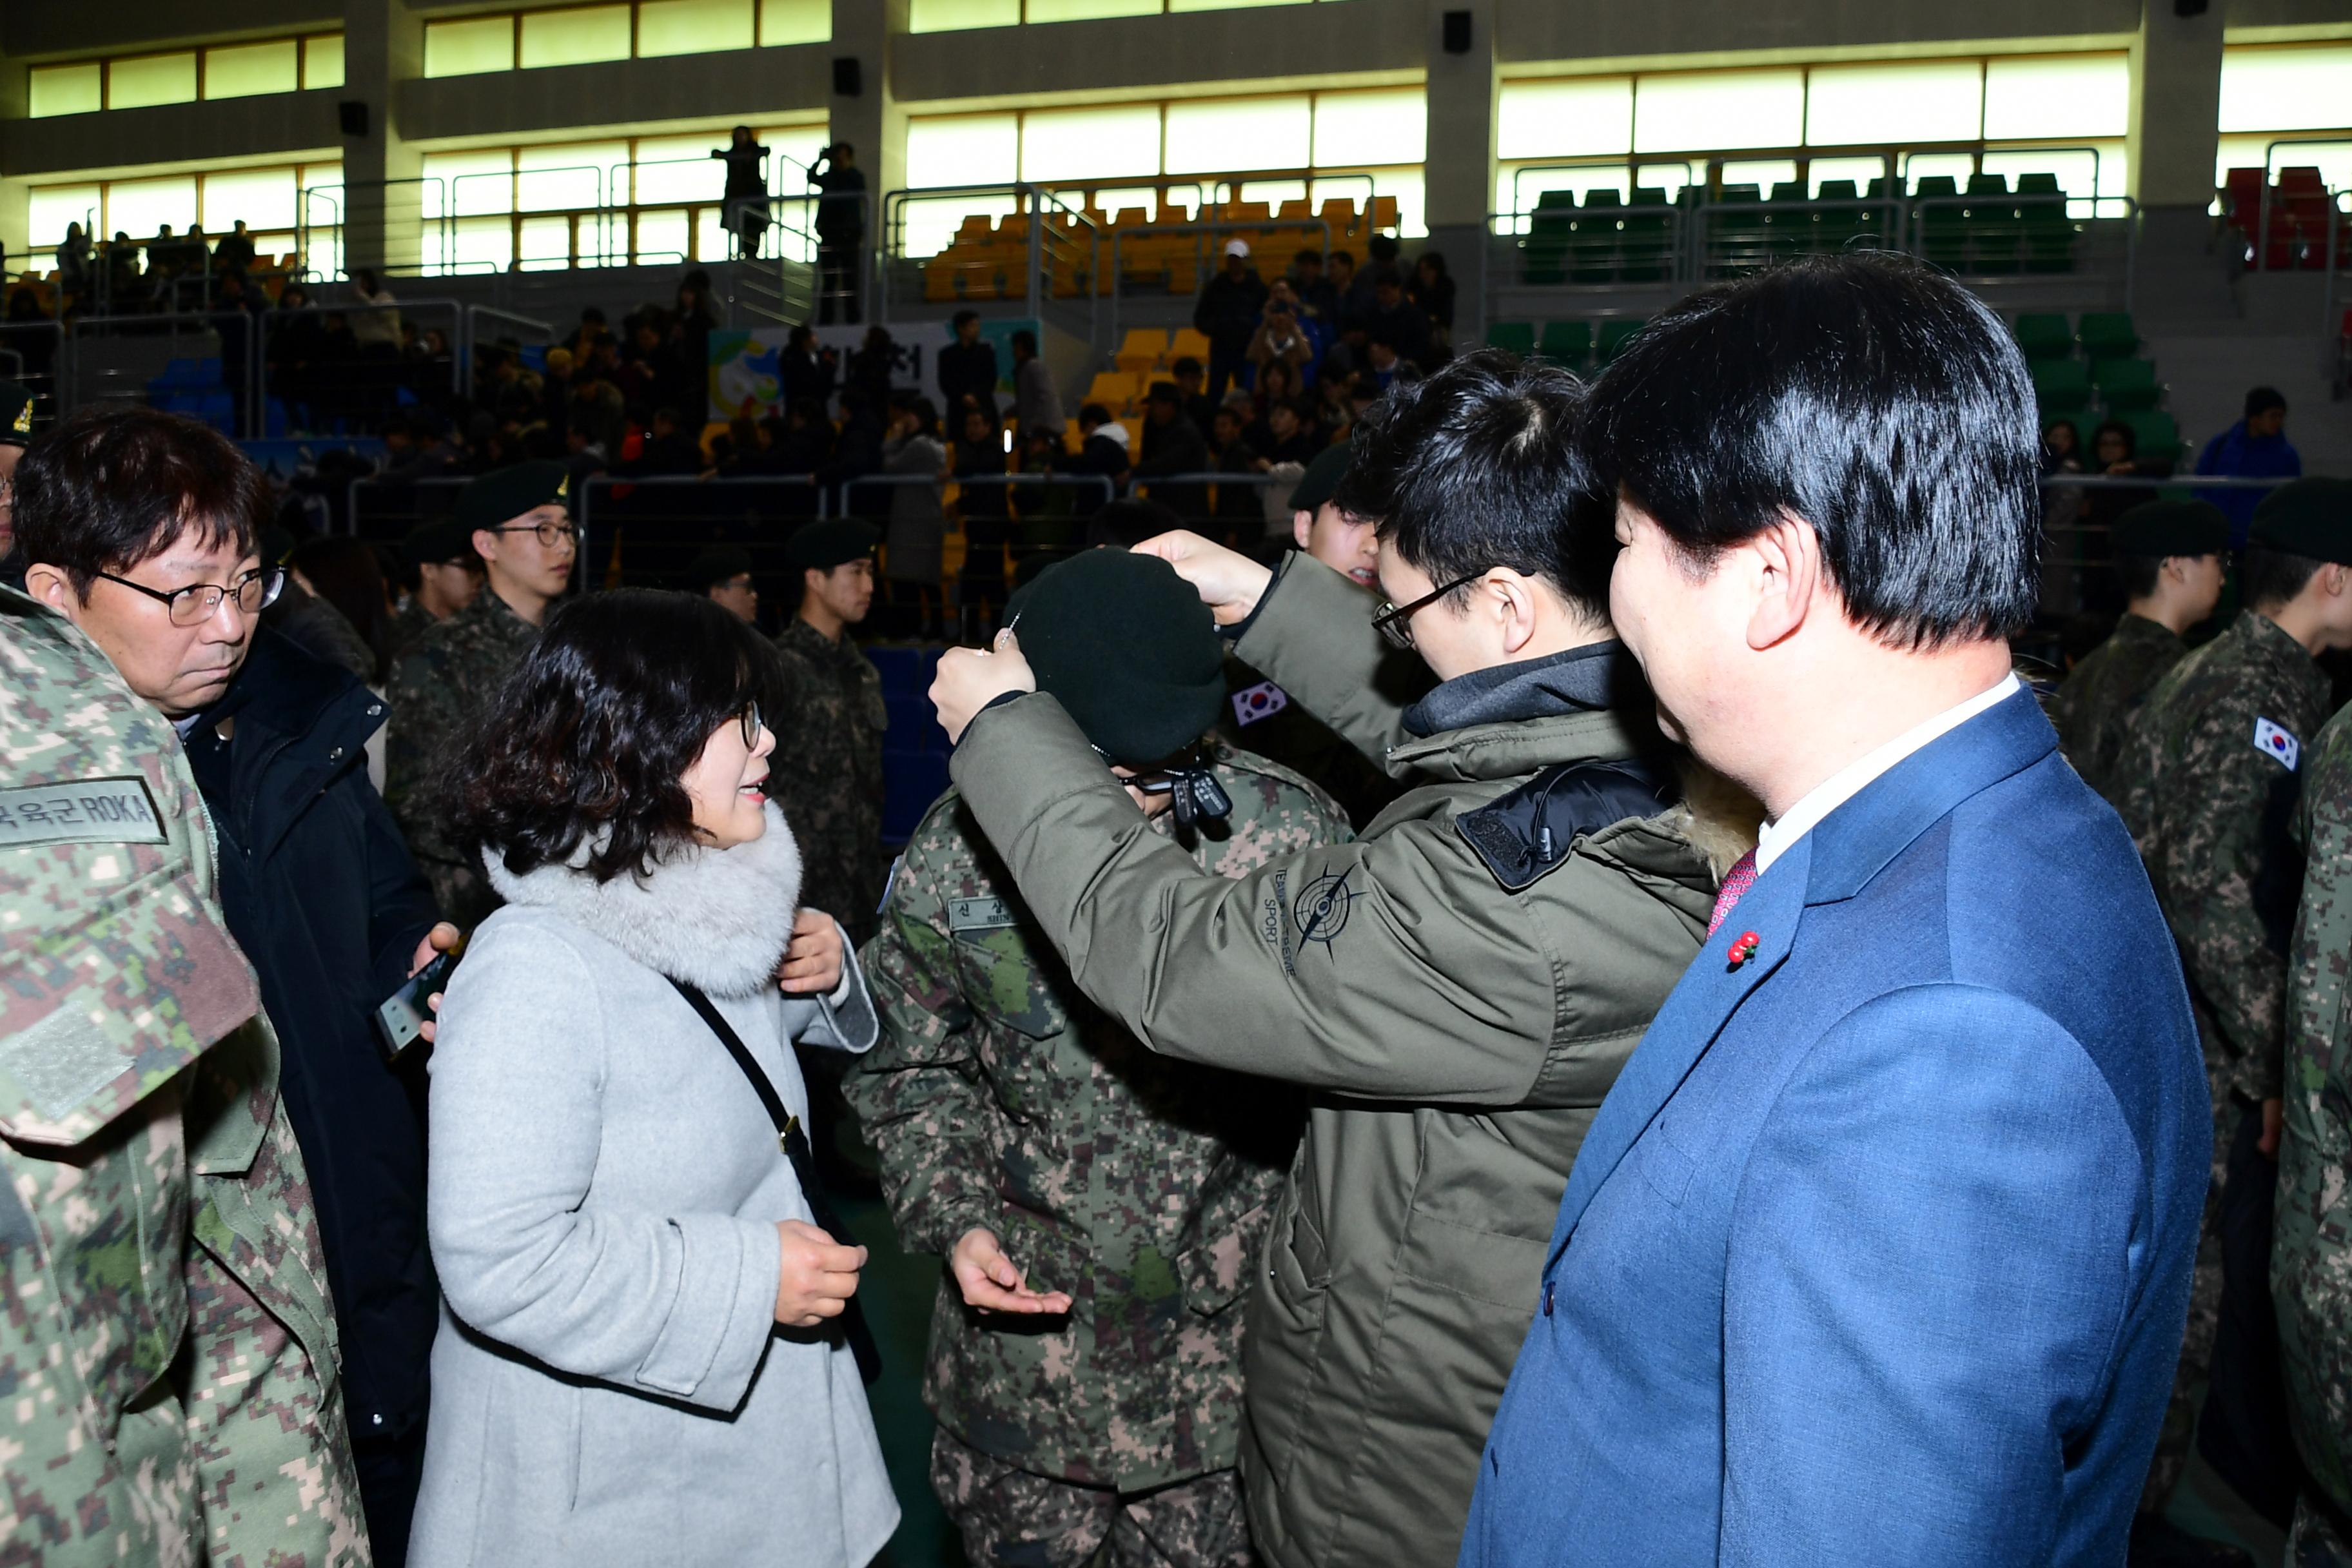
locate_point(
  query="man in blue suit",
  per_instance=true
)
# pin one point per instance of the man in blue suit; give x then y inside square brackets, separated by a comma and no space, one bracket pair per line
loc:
[1879,1250]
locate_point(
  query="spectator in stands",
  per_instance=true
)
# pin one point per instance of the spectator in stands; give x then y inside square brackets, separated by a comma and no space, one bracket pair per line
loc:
[2061,453]
[2115,449]
[1281,336]
[723,575]
[1277,382]
[1036,401]
[141,528]
[2255,448]
[73,262]
[1316,295]
[1379,253]
[376,331]
[669,447]
[1338,281]
[840,232]
[1227,315]
[1239,507]
[1395,320]
[125,282]
[439,555]
[739,450]
[915,543]
[342,571]
[234,251]
[233,321]
[1102,447]
[1191,395]
[1384,367]
[163,255]
[871,370]
[1432,292]
[746,195]
[1283,435]
[967,371]
[688,369]
[986,510]
[590,327]
[1173,445]
[1044,534]
[807,444]
[804,369]
[16,433]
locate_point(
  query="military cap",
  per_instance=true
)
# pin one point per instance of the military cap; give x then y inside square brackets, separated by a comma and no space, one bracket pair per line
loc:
[837,541]
[2310,517]
[15,413]
[1127,647]
[438,541]
[2160,528]
[1321,479]
[500,497]
[712,567]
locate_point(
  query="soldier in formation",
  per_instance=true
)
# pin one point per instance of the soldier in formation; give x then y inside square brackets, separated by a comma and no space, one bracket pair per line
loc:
[167,1340]
[2168,555]
[1100,1208]
[2208,789]
[440,553]
[521,527]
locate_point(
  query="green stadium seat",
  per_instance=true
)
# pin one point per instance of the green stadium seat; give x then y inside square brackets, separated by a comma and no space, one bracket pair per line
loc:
[2038,184]
[1567,342]
[2049,231]
[2125,383]
[2062,383]
[1935,186]
[1647,241]
[2046,337]
[2159,437]
[2084,421]
[1988,186]
[2108,334]
[1616,333]
[1518,337]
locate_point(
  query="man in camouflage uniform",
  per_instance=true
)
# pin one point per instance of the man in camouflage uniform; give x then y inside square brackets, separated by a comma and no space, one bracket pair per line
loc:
[2208,784]
[439,555]
[828,779]
[2169,556]
[1099,1208]
[167,1341]
[519,526]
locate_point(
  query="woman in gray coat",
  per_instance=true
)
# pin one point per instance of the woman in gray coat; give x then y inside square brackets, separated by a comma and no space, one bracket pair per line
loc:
[640,1360]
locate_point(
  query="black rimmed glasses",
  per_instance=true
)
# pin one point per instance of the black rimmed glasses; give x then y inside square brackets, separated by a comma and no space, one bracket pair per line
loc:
[195,604]
[550,534]
[750,720]
[1394,620]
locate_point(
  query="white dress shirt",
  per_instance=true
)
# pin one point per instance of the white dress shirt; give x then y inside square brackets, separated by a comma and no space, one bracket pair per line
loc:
[1849,781]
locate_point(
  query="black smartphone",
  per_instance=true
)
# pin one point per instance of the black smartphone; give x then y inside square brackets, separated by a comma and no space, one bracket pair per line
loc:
[402,1017]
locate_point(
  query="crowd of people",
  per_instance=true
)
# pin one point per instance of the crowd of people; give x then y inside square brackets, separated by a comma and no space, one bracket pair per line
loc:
[1580,1013]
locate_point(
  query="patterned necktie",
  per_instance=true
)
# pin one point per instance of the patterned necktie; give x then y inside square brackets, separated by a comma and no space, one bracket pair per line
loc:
[1734,886]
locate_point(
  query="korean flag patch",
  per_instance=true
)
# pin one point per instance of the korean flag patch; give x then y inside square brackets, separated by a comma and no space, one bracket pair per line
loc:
[2274,741]
[1260,701]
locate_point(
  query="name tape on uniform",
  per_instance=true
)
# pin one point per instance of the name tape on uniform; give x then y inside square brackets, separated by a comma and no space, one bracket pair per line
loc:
[2277,743]
[980,914]
[80,811]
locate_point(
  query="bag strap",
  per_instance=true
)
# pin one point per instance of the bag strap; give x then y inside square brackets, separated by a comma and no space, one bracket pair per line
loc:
[796,1145]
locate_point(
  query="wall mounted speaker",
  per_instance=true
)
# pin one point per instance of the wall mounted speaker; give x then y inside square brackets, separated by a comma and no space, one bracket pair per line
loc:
[354,114]
[849,76]
[2188,8]
[1457,32]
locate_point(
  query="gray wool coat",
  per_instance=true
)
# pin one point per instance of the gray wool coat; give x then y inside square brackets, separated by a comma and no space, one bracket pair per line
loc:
[609,1386]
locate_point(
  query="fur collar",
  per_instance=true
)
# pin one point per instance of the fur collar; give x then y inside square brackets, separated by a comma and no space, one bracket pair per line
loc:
[717,919]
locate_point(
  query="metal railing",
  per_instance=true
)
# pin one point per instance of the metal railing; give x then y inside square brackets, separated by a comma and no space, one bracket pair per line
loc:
[2287,253]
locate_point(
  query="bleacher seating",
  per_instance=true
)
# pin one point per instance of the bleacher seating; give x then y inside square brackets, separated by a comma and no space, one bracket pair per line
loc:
[1578,344]
[2106,379]
[2283,225]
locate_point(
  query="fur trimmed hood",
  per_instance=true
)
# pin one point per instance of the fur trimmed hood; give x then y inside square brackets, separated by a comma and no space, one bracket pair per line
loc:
[717,918]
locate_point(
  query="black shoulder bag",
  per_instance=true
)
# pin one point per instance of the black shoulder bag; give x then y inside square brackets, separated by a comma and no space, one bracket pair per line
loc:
[795,1146]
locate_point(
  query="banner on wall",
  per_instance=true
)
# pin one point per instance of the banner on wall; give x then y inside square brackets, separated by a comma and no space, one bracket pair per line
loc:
[745,366]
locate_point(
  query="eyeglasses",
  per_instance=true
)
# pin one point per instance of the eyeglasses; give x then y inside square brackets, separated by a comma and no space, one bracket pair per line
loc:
[1394,620]
[550,534]
[750,720]
[195,604]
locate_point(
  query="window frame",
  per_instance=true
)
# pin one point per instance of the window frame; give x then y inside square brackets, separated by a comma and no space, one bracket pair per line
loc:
[106,63]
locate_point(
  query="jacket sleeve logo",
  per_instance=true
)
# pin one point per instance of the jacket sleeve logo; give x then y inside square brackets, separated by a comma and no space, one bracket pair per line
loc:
[1320,910]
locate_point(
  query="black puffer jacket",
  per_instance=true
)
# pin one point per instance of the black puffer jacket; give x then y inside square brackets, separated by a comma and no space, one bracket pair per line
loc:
[321,894]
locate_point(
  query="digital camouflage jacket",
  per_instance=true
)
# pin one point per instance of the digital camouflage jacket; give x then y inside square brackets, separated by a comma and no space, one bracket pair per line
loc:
[2208,787]
[828,769]
[2092,709]
[1000,1097]
[447,676]
[167,1344]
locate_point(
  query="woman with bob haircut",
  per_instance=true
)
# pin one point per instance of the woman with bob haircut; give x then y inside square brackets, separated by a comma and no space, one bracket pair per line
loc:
[641,1358]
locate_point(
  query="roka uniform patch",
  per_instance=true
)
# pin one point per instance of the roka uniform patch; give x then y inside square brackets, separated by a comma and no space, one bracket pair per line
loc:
[1263,700]
[80,811]
[2274,741]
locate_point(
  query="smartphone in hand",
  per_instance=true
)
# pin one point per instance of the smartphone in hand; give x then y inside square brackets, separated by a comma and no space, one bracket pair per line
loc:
[403,1014]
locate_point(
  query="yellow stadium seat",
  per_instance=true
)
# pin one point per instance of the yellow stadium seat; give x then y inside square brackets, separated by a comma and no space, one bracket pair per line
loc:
[1249,212]
[1131,217]
[975,226]
[1297,209]
[1134,426]
[1384,211]
[1188,343]
[1341,215]
[1142,348]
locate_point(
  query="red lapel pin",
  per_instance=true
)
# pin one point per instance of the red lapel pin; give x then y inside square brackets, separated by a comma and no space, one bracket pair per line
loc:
[1743,948]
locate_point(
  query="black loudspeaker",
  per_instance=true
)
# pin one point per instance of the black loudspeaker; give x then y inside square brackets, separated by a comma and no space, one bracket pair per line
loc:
[353,113]
[1457,32]
[849,76]
[2188,8]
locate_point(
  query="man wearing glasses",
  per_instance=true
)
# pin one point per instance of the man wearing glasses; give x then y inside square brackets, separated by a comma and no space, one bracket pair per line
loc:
[141,528]
[523,533]
[1461,984]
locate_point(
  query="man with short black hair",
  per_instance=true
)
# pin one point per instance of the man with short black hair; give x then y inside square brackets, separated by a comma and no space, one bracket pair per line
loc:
[2255,448]
[1172,444]
[2169,558]
[520,523]
[2209,782]
[724,576]
[967,372]
[1879,1250]
[1461,983]
[840,233]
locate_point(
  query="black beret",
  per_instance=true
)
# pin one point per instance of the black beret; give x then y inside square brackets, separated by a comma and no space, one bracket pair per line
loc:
[499,497]
[835,542]
[712,567]
[2162,528]
[1321,479]
[2310,517]
[438,541]
[15,413]
[1127,647]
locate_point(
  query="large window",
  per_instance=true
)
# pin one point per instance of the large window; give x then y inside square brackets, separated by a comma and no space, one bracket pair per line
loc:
[577,35]
[184,75]
[1304,146]
[1899,120]
[2284,105]
[654,200]
[949,16]
[269,199]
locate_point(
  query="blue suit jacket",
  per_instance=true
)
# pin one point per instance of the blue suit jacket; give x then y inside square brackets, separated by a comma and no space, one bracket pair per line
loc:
[1879,1250]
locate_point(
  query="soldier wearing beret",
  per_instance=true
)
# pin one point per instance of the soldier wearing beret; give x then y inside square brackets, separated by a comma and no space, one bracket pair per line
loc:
[439,555]
[1100,1209]
[723,575]
[519,526]
[15,433]
[828,779]
[2167,555]
[2209,784]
